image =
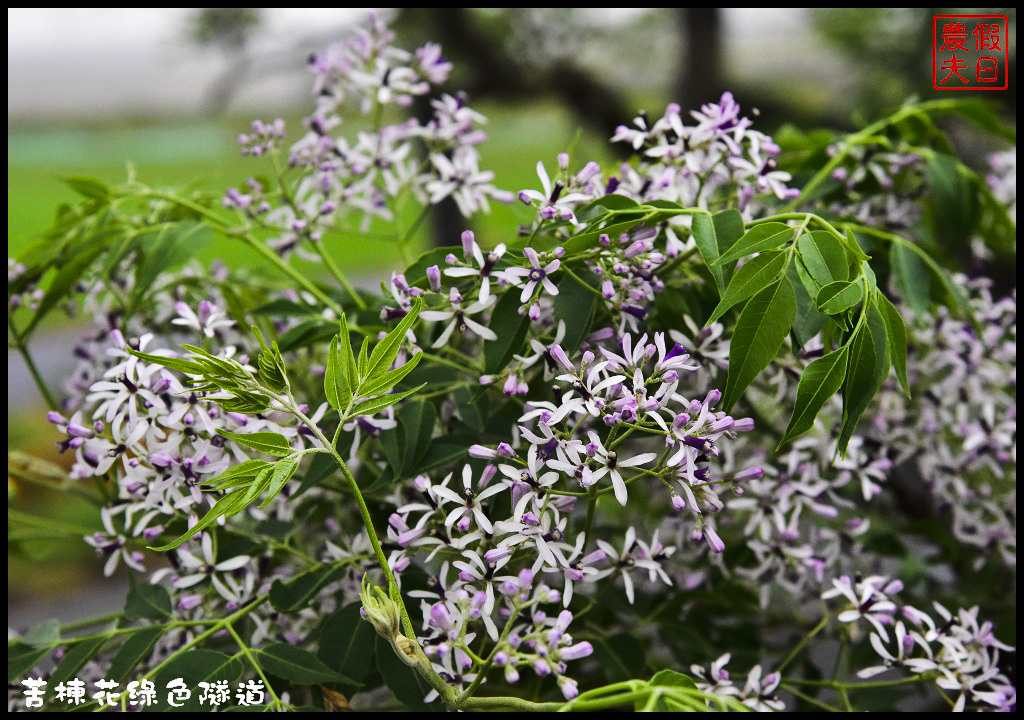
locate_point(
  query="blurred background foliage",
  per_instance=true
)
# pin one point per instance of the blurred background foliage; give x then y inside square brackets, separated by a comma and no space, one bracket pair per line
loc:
[548,79]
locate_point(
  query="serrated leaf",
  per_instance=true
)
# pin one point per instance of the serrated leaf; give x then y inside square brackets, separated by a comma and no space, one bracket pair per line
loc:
[189,367]
[295,665]
[896,336]
[755,275]
[388,380]
[839,296]
[347,643]
[368,407]
[819,381]
[270,443]
[867,369]
[759,238]
[283,471]
[227,505]
[511,329]
[347,358]
[240,474]
[134,650]
[336,384]
[257,486]
[823,256]
[147,601]
[385,352]
[760,331]
[296,593]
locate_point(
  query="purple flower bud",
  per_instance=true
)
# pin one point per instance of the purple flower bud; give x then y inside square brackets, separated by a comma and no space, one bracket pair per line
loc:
[56,418]
[76,430]
[506,450]
[451,259]
[486,379]
[713,397]
[161,459]
[482,452]
[604,240]
[677,502]
[189,602]
[541,667]
[750,473]
[524,198]
[534,312]
[511,675]
[635,248]
[577,651]
[439,617]
[468,242]
[558,252]
[563,161]
[434,277]
[743,425]
[569,687]
[559,356]
[588,172]
[496,555]
[714,542]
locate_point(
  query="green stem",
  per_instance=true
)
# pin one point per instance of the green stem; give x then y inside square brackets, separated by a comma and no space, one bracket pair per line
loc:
[826,170]
[22,348]
[256,666]
[269,255]
[800,646]
[808,699]
[591,511]
[338,275]
[508,703]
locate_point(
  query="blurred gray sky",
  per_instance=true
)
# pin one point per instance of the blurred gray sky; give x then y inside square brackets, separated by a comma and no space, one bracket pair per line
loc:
[80,63]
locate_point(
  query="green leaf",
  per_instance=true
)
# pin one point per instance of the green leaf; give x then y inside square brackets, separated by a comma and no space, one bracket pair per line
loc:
[260,483]
[189,367]
[295,665]
[270,443]
[809,321]
[753,277]
[417,420]
[386,350]
[867,370]
[298,592]
[166,250]
[88,187]
[388,380]
[227,505]
[336,384]
[839,296]
[63,283]
[574,306]
[823,256]
[707,245]
[671,678]
[45,634]
[147,601]
[759,238]
[73,660]
[911,276]
[368,407]
[443,451]
[896,335]
[511,328]
[408,687]
[240,474]
[820,381]
[760,331]
[22,657]
[134,650]
[347,358]
[347,643]
[729,228]
[283,471]
[194,667]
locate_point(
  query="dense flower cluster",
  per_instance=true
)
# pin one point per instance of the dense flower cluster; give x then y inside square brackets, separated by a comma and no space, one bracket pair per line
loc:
[565,433]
